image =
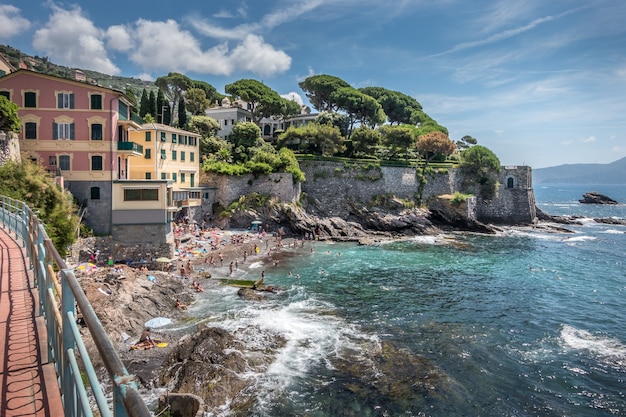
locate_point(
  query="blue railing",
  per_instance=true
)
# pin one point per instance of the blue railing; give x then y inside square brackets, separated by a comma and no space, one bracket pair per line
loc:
[59,293]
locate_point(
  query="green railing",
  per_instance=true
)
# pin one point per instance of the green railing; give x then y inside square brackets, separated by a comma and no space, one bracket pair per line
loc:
[59,294]
[130,146]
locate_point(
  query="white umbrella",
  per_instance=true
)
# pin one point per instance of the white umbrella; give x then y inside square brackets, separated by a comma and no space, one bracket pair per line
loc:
[158,322]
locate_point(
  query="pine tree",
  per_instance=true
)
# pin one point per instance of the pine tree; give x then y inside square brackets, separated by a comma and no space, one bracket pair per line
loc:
[182,114]
[144,104]
[152,104]
[161,104]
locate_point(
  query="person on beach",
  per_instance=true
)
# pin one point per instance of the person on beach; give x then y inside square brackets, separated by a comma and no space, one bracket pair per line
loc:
[230,268]
[180,306]
[146,340]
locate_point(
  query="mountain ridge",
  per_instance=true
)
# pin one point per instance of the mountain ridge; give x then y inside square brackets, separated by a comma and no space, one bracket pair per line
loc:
[611,173]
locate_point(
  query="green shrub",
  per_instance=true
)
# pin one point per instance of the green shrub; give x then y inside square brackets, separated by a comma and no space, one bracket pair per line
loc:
[459,198]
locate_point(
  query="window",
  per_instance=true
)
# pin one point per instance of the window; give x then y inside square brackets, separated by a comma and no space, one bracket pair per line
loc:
[173,137]
[510,182]
[63,131]
[163,156]
[148,154]
[191,157]
[96,163]
[30,99]
[148,136]
[30,130]
[163,139]
[96,131]
[174,176]
[95,193]
[64,162]
[192,182]
[141,194]
[122,109]
[96,102]
[148,175]
[65,101]
[52,160]
[182,177]
[182,156]
[163,176]
[6,94]
[173,155]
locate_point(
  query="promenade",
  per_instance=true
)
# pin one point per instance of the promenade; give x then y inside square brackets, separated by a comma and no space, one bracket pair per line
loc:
[28,384]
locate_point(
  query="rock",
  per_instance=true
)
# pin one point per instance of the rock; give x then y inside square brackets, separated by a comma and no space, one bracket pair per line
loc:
[596,198]
[610,220]
[444,213]
[216,366]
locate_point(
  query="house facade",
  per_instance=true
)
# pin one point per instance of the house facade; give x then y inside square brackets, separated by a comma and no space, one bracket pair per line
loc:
[80,133]
[172,155]
[228,114]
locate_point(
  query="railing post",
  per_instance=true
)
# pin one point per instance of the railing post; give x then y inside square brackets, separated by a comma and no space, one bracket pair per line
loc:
[67,306]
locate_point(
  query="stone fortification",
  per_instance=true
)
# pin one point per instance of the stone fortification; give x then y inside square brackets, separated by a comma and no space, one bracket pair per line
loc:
[330,185]
[515,201]
[230,188]
[331,188]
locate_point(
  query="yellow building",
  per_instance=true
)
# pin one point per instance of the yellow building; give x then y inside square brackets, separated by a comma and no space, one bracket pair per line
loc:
[170,154]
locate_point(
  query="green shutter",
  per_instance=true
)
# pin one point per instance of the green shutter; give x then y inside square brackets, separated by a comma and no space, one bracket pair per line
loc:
[72,131]
[55,131]
[60,101]
[72,102]
[148,138]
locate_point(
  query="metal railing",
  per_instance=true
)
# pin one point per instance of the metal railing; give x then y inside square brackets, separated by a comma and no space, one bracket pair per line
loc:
[59,294]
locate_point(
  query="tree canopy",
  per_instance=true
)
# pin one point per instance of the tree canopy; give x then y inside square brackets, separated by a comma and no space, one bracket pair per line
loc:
[9,118]
[263,101]
[481,167]
[398,107]
[28,182]
[359,107]
[319,90]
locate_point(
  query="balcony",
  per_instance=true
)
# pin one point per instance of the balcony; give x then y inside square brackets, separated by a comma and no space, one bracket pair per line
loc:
[130,148]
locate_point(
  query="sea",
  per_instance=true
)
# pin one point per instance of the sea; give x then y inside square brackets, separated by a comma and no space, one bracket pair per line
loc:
[527,322]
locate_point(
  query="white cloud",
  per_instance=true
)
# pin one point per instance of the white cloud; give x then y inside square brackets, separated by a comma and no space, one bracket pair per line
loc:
[589,139]
[118,38]
[11,23]
[145,76]
[567,142]
[71,39]
[256,56]
[293,96]
[165,46]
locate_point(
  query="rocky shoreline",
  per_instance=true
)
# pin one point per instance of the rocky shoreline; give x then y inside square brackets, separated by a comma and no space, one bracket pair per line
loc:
[199,357]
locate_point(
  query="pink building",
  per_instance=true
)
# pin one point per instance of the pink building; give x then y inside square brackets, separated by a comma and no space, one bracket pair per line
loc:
[77,131]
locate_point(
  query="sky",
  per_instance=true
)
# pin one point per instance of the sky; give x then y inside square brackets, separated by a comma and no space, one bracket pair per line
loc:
[539,83]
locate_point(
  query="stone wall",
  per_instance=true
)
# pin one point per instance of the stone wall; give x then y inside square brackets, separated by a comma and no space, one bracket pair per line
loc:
[230,188]
[98,215]
[147,241]
[515,202]
[330,184]
[9,147]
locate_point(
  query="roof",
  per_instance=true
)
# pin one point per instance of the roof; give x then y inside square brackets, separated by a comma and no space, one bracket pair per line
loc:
[26,72]
[160,126]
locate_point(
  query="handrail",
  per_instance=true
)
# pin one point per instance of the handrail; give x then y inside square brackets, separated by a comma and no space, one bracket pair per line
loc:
[58,309]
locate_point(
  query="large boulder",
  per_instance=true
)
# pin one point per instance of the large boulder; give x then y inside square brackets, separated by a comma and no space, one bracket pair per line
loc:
[596,198]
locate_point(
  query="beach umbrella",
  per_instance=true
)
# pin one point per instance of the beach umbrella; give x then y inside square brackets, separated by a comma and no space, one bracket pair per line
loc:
[158,322]
[86,266]
[163,260]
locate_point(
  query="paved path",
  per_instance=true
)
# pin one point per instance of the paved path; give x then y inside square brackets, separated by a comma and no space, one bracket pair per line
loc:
[28,385]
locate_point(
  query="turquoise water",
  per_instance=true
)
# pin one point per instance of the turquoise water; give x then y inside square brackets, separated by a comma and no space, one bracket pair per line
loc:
[525,323]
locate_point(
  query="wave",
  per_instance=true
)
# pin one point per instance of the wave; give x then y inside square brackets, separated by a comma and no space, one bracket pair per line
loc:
[583,238]
[606,350]
[613,232]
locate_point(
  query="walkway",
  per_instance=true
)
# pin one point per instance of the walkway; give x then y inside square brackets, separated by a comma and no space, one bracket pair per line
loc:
[28,385]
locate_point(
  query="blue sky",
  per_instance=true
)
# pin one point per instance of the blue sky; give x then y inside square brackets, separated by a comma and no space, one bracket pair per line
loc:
[539,83]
